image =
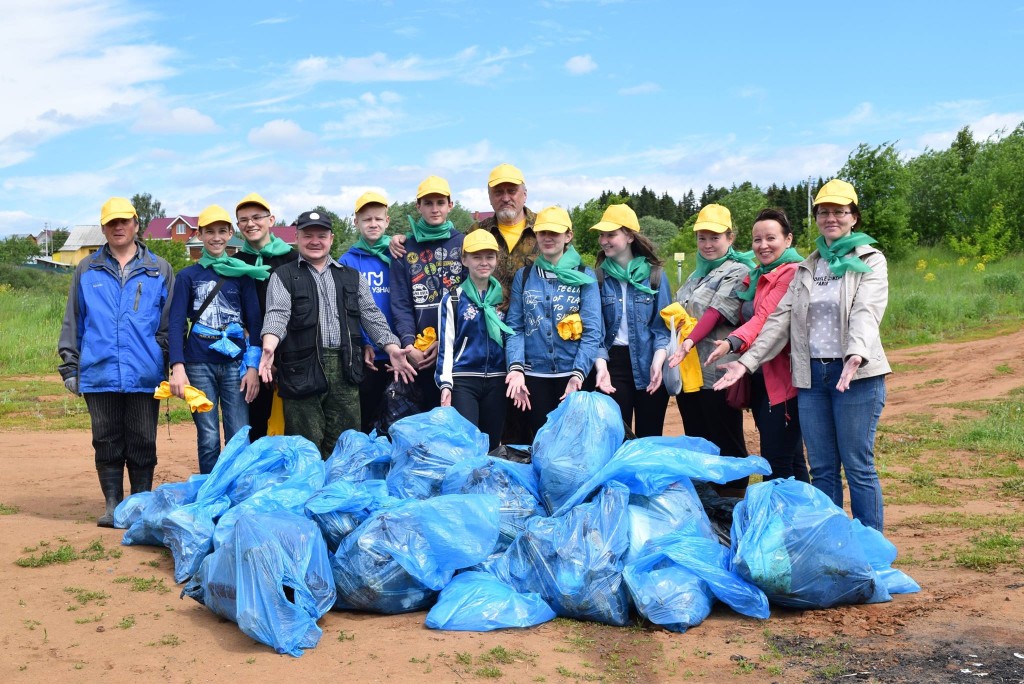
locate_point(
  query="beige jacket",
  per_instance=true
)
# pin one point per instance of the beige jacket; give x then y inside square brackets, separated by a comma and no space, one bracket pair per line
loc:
[863,297]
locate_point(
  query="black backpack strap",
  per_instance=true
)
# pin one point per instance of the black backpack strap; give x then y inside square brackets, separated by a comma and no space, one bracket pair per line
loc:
[206,303]
[656,273]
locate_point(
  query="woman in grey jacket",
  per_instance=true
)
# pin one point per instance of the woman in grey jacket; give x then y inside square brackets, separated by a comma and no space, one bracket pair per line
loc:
[831,316]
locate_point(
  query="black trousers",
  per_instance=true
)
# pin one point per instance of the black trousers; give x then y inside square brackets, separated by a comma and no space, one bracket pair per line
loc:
[643,412]
[705,414]
[259,412]
[371,395]
[482,402]
[544,398]
[778,428]
[123,428]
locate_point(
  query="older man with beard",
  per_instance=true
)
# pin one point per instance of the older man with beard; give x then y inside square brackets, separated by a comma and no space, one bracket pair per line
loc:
[511,226]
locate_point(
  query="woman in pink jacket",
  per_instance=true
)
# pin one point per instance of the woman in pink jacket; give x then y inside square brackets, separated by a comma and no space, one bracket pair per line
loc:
[772,395]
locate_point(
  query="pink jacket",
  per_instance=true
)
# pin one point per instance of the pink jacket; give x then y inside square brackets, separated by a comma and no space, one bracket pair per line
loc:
[778,379]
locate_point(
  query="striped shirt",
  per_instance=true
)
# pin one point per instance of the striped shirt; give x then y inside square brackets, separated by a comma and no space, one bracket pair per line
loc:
[279,309]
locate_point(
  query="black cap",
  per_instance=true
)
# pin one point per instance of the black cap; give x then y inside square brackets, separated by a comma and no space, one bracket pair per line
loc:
[312,219]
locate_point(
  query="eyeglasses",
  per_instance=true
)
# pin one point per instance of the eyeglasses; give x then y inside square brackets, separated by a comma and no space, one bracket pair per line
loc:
[242,222]
[833,212]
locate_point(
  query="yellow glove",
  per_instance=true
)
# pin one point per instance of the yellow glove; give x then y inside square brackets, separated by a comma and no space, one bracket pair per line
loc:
[685,323]
[425,339]
[571,327]
[196,399]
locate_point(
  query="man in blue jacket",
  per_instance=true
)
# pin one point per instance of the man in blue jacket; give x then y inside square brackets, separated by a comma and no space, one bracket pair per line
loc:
[113,344]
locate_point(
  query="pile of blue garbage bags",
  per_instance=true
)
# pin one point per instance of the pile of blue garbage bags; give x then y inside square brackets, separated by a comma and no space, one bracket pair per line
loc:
[595,528]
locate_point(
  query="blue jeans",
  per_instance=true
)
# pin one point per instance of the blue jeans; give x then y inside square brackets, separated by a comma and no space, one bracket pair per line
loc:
[219,382]
[839,431]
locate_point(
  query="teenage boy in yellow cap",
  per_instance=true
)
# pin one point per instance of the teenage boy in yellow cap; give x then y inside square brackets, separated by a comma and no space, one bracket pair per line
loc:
[430,267]
[213,307]
[369,255]
[262,248]
[113,348]
[471,356]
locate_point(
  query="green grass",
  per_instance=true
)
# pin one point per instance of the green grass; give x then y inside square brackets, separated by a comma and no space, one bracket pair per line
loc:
[8,510]
[959,301]
[32,320]
[142,584]
[84,596]
[62,555]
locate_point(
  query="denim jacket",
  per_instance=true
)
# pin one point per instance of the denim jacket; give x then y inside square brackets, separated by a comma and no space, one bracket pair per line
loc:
[647,331]
[536,305]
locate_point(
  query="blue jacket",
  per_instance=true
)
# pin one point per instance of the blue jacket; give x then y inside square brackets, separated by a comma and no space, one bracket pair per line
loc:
[114,335]
[644,325]
[536,305]
[236,302]
[465,347]
[378,276]
[418,281]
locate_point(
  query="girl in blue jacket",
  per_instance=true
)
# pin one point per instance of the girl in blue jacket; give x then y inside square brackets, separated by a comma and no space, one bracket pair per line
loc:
[635,342]
[471,355]
[555,311]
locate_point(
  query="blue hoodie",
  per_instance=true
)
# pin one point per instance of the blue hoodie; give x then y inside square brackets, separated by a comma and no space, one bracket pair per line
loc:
[378,276]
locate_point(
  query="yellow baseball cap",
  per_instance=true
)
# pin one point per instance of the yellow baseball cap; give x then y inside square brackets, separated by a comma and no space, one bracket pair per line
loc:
[116,208]
[505,173]
[478,241]
[836,192]
[433,185]
[212,214]
[370,197]
[618,216]
[714,217]
[253,198]
[553,219]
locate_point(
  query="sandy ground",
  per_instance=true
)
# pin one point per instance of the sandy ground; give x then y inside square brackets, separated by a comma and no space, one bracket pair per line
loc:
[964,625]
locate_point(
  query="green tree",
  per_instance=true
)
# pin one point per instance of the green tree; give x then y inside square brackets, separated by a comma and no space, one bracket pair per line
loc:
[994,178]
[58,238]
[882,182]
[17,250]
[936,195]
[744,203]
[147,208]
[174,252]
[586,215]
[660,231]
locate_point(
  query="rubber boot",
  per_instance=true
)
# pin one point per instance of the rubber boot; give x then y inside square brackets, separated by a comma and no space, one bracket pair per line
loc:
[112,484]
[141,479]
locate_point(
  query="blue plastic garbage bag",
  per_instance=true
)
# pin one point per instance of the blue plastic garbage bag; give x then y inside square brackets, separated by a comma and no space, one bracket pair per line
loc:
[574,562]
[400,557]
[881,553]
[515,484]
[480,602]
[131,509]
[272,577]
[678,576]
[148,527]
[577,440]
[358,456]
[424,446]
[340,507]
[652,516]
[188,533]
[789,539]
[649,464]
[289,496]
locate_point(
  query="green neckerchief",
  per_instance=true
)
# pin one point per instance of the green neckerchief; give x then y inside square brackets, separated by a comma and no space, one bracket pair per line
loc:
[276,247]
[423,232]
[790,256]
[493,296]
[836,253]
[378,249]
[704,266]
[566,271]
[635,273]
[230,267]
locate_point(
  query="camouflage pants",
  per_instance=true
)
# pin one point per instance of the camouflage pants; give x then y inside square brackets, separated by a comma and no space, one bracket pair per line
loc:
[322,418]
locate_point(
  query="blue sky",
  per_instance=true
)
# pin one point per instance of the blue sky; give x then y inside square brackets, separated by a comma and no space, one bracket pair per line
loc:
[315,102]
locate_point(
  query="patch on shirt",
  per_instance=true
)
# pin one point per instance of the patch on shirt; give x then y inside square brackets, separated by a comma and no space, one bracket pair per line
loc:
[470,313]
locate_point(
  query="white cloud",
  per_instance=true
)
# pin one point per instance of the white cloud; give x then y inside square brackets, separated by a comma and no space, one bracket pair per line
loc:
[378,67]
[281,134]
[748,92]
[456,159]
[69,64]
[12,222]
[862,115]
[178,120]
[69,185]
[641,89]
[580,64]
[272,20]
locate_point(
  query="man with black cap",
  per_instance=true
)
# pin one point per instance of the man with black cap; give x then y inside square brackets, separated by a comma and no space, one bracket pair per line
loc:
[113,345]
[315,308]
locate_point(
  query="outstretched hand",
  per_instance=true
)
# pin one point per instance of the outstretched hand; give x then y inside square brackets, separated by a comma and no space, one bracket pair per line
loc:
[721,349]
[734,370]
